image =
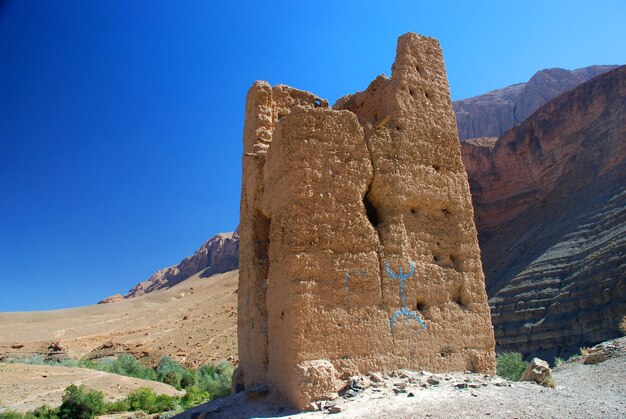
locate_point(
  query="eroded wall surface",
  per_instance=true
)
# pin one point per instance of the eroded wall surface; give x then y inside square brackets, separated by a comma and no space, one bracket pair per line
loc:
[358,248]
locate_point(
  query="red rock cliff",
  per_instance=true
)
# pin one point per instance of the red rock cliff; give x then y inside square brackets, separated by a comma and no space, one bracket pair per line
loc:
[550,198]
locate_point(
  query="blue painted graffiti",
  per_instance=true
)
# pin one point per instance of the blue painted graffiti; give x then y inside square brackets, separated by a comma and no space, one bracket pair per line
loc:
[403,312]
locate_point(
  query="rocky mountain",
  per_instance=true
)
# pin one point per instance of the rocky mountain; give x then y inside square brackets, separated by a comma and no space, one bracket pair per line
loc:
[219,254]
[495,112]
[550,207]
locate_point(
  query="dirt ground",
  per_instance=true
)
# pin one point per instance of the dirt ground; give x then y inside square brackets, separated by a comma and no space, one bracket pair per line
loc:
[26,387]
[582,391]
[193,322]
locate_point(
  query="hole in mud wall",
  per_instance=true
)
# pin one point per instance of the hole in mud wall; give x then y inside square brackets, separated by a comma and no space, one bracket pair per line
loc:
[436,258]
[413,211]
[282,314]
[420,305]
[370,211]
[281,115]
[418,69]
[446,212]
[427,95]
[457,262]
[436,167]
[317,103]
[446,351]
[458,297]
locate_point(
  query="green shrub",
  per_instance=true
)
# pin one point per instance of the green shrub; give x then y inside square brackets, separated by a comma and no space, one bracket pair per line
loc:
[165,403]
[142,398]
[194,397]
[118,406]
[216,379]
[172,378]
[188,380]
[510,365]
[81,403]
[169,371]
[145,399]
[43,412]
[127,365]
[9,414]
[35,359]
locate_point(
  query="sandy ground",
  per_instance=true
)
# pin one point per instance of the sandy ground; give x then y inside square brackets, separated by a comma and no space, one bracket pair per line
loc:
[193,322]
[582,391]
[26,387]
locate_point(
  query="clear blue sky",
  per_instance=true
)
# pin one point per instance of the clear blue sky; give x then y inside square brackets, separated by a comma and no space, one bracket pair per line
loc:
[121,121]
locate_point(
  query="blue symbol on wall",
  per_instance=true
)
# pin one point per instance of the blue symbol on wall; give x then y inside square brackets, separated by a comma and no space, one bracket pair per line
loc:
[403,312]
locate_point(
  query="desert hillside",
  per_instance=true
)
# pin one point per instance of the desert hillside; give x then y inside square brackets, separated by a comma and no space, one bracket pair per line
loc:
[550,207]
[26,387]
[194,322]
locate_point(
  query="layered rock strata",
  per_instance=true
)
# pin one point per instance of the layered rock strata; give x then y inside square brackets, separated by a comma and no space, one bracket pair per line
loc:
[358,250]
[495,112]
[217,255]
[550,202]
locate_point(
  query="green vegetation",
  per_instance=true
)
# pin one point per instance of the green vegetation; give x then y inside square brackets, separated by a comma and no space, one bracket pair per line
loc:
[84,403]
[127,365]
[81,403]
[510,365]
[203,384]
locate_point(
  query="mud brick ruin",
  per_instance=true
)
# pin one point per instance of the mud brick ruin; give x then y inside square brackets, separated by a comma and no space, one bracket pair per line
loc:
[358,247]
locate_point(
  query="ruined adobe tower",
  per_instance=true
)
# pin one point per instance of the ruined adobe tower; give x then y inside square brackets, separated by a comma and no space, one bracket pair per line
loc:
[358,248]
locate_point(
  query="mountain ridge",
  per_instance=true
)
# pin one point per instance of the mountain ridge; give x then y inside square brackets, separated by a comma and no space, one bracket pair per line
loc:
[493,113]
[219,254]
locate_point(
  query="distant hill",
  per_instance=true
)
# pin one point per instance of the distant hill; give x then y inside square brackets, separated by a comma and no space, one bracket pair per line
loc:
[194,322]
[550,207]
[219,254]
[495,112]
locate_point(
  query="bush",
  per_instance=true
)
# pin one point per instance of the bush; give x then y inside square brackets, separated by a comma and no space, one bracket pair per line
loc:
[169,371]
[145,399]
[10,415]
[172,378]
[216,380]
[194,397]
[142,398]
[81,403]
[164,403]
[127,365]
[188,379]
[118,406]
[43,412]
[510,365]
[35,359]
